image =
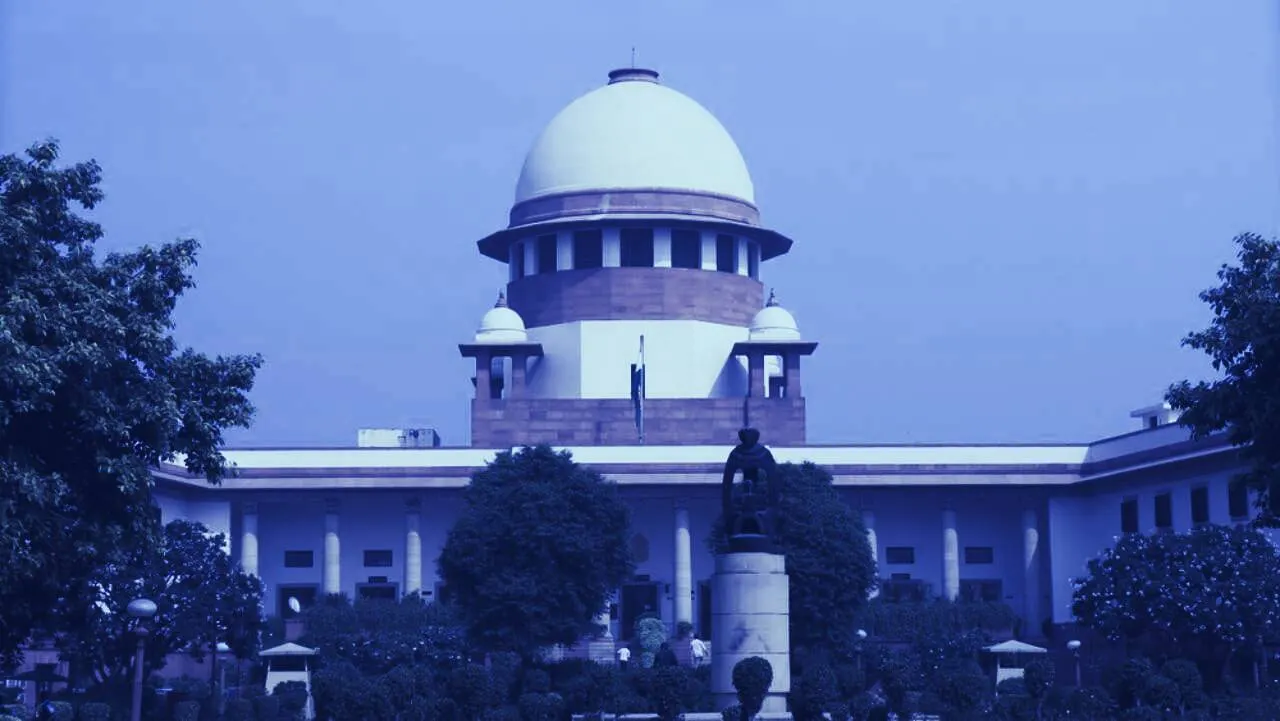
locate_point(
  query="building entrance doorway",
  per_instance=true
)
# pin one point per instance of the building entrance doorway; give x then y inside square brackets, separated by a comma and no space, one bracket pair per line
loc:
[638,598]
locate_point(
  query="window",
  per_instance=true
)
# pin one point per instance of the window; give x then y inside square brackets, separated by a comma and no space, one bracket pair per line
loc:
[517,260]
[753,260]
[299,559]
[1238,499]
[1129,515]
[1200,505]
[377,591]
[686,249]
[895,590]
[726,254]
[636,249]
[1164,511]
[377,559]
[979,555]
[990,591]
[546,250]
[588,249]
[899,555]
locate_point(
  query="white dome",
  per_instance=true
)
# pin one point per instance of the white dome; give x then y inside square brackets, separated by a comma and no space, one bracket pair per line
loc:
[501,325]
[773,322]
[634,133]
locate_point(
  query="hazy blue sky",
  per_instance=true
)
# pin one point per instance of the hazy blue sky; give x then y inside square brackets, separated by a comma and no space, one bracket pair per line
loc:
[1003,210]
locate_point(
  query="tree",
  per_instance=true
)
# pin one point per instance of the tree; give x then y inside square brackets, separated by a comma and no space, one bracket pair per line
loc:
[1202,594]
[1243,343]
[202,598]
[94,391]
[829,562]
[540,545]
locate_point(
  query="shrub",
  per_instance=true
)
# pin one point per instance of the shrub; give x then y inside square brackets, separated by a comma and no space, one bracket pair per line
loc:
[239,709]
[7,717]
[63,711]
[733,713]
[189,711]
[650,634]
[292,697]
[472,690]
[537,681]
[539,706]
[752,677]
[266,708]
[15,710]
[94,711]
[813,693]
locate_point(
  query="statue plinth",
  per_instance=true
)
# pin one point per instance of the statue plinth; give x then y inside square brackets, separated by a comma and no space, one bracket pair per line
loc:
[750,607]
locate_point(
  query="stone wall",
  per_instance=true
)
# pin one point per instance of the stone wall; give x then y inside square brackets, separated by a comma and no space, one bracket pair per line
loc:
[636,294]
[611,422]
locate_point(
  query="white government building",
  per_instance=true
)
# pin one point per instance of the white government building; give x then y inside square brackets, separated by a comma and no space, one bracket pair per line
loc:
[634,215]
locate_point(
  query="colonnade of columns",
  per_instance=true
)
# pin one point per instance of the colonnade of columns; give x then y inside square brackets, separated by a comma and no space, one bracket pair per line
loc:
[1030,565]
[682,586]
[331,560]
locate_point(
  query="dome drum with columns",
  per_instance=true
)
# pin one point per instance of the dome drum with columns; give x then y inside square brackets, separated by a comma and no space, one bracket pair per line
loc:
[634,216]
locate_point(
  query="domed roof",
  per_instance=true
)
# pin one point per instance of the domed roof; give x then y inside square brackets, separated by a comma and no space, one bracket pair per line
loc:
[634,133]
[773,322]
[501,324]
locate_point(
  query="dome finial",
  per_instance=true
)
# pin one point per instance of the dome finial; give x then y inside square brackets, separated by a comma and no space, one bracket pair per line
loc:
[633,74]
[773,300]
[502,299]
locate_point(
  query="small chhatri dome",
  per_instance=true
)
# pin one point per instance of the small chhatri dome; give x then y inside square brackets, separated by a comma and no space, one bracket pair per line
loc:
[773,322]
[501,324]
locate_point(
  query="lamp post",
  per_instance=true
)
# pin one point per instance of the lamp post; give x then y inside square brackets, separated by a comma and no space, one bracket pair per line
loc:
[141,609]
[862,637]
[1074,647]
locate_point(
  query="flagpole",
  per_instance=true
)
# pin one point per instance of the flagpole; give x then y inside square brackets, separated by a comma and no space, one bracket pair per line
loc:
[642,389]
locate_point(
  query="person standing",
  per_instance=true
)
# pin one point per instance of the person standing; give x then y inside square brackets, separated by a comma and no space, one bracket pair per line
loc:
[698,651]
[624,655]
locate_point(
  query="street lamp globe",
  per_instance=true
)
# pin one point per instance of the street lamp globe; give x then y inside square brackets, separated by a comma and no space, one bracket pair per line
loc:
[142,608]
[1073,645]
[862,635]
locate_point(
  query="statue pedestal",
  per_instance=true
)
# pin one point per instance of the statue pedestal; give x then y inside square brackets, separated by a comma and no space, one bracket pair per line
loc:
[750,604]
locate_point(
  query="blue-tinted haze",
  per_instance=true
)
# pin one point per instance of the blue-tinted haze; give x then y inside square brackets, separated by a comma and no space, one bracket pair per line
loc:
[1003,210]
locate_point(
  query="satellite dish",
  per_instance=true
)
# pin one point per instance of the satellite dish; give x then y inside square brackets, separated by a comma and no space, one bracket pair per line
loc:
[295,605]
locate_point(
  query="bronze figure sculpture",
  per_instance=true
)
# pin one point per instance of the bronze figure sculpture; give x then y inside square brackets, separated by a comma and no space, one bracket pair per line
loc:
[748,504]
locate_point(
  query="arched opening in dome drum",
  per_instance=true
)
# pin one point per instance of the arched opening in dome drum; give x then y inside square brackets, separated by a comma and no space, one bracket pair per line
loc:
[636,248]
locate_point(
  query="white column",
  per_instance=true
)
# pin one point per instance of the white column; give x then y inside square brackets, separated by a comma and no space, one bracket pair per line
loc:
[413,548]
[869,522]
[743,266]
[684,568]
[708,250]
[662,247]
[249,539]
[1030,570]
[950,557]
[332,550]
[612,248]
[564,250]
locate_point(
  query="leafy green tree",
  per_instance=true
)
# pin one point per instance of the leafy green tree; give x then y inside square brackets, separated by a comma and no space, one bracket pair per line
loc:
[1244,347]
[202,598]
[94,390]
[540,546]
[829,562]
[1203,594]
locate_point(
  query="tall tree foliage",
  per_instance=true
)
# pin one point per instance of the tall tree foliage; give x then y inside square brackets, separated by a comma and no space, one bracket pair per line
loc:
[829,561]
[1243,342]
[94,391]
[538,549]
[202,598]
[1203,594]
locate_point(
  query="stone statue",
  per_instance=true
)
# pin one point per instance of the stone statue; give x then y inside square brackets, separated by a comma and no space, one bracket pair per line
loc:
[748,504]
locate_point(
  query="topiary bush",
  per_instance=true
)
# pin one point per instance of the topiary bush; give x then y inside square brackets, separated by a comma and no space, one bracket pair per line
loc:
[733,713]
[94,711]
[651,632]
[752,677]
[292,697]
[813,693]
